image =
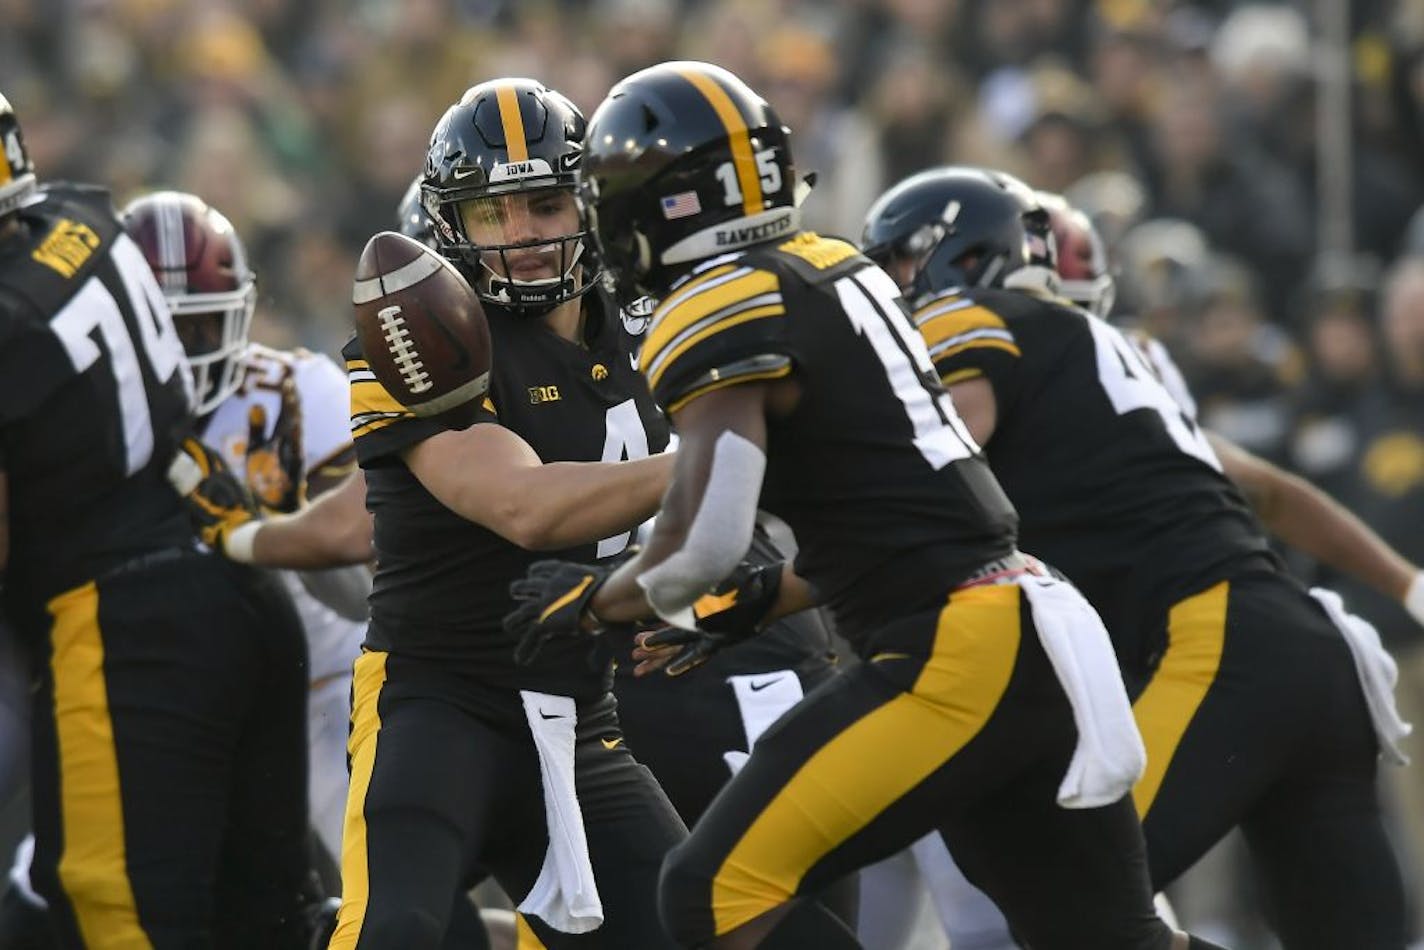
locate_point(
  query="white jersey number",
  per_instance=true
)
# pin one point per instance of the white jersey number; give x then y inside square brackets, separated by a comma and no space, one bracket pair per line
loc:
[871,300]
[624,438]
[1131,384]
[94,308]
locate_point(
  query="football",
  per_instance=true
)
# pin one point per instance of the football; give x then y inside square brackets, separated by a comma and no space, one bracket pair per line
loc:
[422,328]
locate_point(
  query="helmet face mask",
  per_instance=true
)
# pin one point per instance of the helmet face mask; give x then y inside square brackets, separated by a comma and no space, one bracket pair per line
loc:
[683,162]
[202,268]
[17,172]
[527,245]
[499,190]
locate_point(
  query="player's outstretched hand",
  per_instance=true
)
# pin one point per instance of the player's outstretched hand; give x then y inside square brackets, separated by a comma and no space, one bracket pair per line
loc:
[674,650]
[217,502]
[553,602]
[733,612]
[275,466]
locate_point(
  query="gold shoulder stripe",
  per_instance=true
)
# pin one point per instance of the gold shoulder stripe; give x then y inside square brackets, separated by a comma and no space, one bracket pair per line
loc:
[352,365]
[655,372]
[981,343]
[514,142]
[686,398]
[371,396]
[380,422]
[688,309]
[820,252]
[940,321]
[742,159]
[488,405]
[961,375]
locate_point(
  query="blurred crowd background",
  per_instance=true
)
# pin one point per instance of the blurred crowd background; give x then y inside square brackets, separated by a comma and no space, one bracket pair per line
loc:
[1190,132]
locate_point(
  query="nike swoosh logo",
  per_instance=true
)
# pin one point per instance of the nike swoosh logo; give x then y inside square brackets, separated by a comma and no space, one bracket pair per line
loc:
[459,173]
[545,715]
[633,361]
[570,160]
[612,743]
[758,687]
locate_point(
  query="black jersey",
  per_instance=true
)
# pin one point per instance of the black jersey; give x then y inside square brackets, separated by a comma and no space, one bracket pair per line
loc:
[442,582]
[93,395]
[1115,483]
[888,497]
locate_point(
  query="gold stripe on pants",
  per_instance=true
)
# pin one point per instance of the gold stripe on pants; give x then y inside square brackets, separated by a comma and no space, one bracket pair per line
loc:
[1196,634]
[366,683]
[859,773]
[93,868]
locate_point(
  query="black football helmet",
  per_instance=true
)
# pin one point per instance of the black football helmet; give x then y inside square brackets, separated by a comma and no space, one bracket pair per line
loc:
[960,227]
[683,161]
[17,172]
[201,265]
[412,219]
[500,160]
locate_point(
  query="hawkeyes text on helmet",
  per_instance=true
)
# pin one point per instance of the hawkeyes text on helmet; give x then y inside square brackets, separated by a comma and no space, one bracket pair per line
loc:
[499,188]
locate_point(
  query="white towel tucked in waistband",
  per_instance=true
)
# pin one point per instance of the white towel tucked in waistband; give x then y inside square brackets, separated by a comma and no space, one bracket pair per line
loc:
[1110,756]
[1377,673]
[565,896]
[762,698]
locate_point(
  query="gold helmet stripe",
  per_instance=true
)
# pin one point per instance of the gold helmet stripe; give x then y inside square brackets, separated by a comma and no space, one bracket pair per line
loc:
[514,141]
[742,159]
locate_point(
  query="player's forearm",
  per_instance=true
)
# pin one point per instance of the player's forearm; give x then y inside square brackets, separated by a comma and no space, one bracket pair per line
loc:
[300,544]
[562,504]
[334,531]
[796,595]
[1306,518]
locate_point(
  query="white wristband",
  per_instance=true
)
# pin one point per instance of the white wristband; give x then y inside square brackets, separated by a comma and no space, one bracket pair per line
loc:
[1414,598]
[240,541]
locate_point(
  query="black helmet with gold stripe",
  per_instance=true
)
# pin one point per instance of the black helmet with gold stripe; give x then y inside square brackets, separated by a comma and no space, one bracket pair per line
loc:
[17,172]
[683,162]
[499,188]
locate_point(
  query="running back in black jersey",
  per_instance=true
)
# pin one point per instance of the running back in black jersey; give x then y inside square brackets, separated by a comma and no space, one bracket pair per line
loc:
[93,393]
[442,582]
[887,494]
[1115,483]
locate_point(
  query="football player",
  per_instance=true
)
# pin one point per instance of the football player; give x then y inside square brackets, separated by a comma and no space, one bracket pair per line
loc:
[692,731]
[794,377]
[455,750]
[280,418]
[169,771]
[1246,691]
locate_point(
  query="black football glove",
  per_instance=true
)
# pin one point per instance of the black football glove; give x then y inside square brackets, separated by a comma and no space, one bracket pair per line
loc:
[732,613]
[553,599]
[217,502]
[275,467]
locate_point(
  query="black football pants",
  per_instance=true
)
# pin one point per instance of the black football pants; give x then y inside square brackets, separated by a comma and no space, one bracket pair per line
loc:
[440,795]
[955,720]
[169,759]
[1255,716]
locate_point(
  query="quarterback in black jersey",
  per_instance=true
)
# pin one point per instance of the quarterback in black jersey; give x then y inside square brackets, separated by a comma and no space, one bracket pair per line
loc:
[169,771]
[794,377]
[460,759]
[1245,690]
